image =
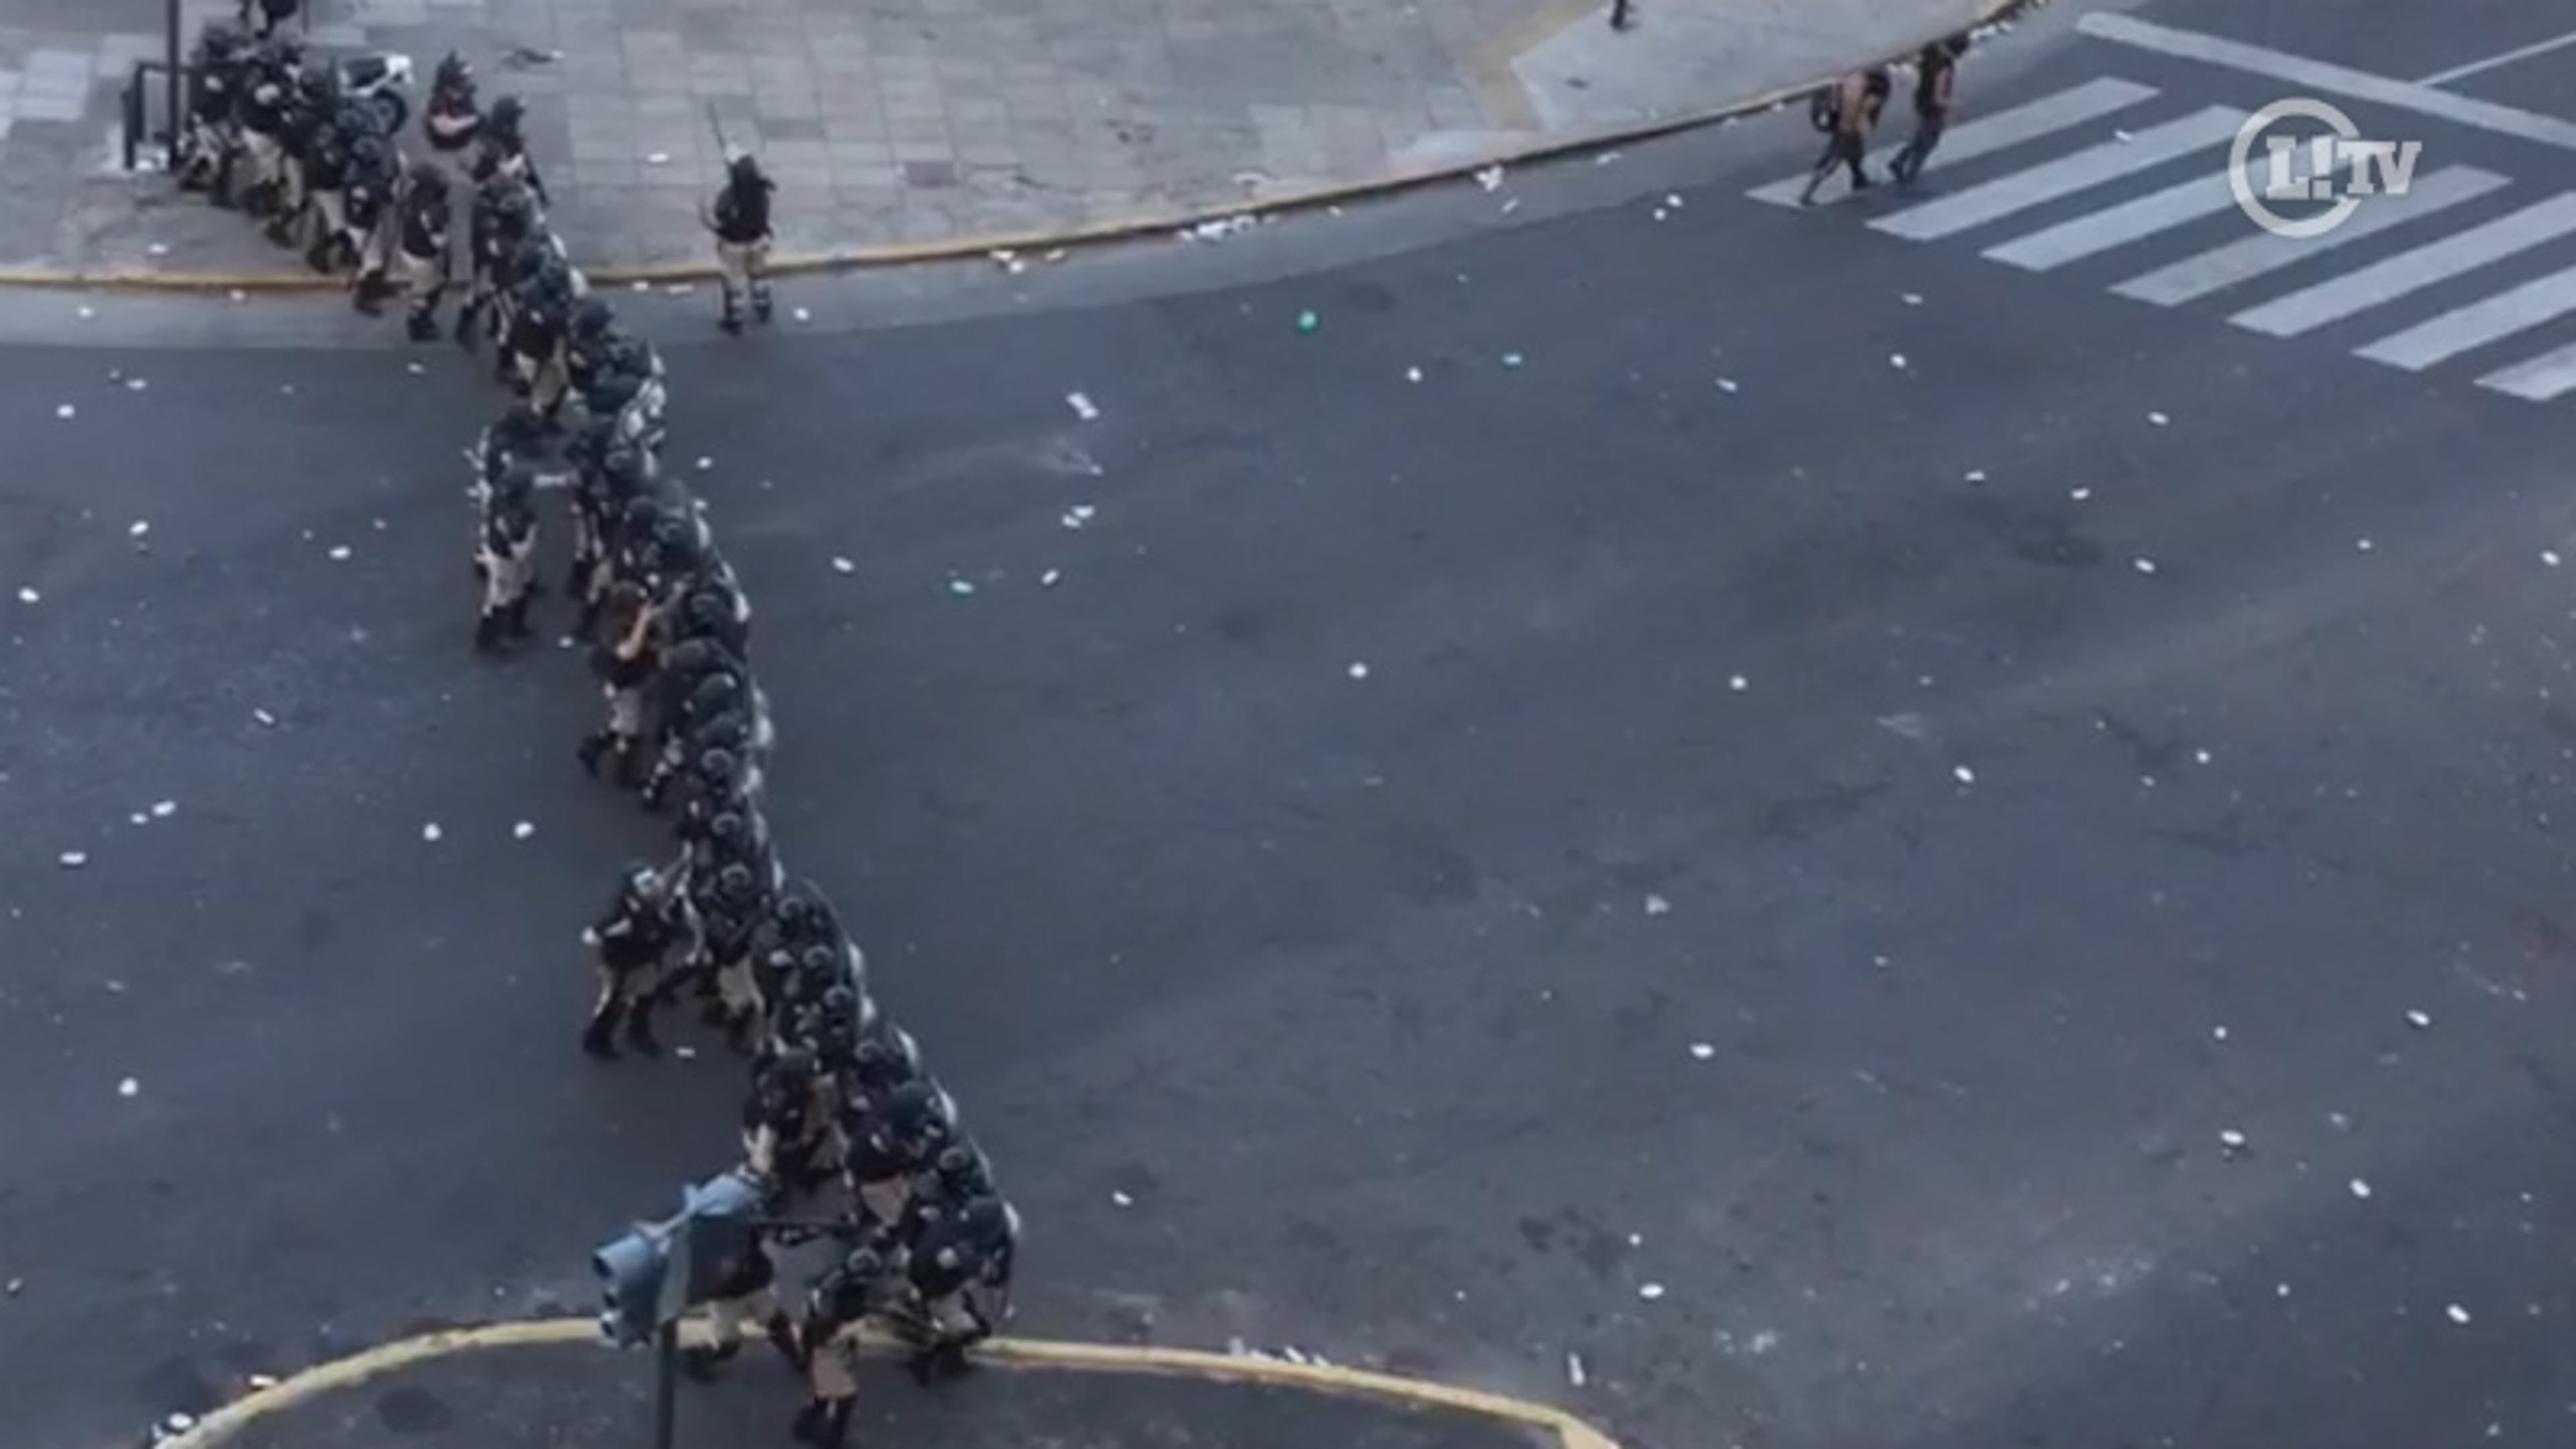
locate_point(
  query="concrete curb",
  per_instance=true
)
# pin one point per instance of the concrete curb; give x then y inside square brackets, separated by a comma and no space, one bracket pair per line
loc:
[1029,1354]
[1992,15]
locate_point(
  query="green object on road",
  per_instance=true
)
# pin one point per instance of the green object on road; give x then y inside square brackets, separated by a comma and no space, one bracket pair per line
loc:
[1308,322]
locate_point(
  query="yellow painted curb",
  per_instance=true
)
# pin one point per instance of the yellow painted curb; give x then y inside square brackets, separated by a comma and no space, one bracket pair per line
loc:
[1572,1433]
[964,248]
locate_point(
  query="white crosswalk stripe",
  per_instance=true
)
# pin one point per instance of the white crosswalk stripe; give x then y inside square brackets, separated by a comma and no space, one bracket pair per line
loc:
[2050,180]
[2545,378]
[2264,253]
[2412,271]
[2518,309]
[2052,113]
[2131,208]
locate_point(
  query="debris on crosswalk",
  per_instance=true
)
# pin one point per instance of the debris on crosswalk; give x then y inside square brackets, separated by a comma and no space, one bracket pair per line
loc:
[1491,178]
[1082,406]
[1078,515]
[1574,1369]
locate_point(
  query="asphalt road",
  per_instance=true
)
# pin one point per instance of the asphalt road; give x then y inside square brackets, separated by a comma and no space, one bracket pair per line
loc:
[1840,848]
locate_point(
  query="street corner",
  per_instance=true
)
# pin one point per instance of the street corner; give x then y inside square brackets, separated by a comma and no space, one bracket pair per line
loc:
[552,1383]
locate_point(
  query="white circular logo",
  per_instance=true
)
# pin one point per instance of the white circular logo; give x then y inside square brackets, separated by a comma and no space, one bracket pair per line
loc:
[2250,197]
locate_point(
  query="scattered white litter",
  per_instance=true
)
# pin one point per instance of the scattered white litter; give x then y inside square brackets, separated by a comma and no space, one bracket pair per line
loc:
[1078,515]
[164,809]
[1511,204]
[2549,556]
[1606,158]
[705,463]
[238,295]
[264,717]
[138,818]
[1896,360]
[2456,1313]
[657,158]
[1413,374]
[1911,299]
[1122,1199]
[156,249]
[1082,407]
[522,830]
[1574,1369]
[66,412]
[685,1053]
[2159,419]
[128,1088]
[85,313]
[339,553]
[2419,1020]
[1738,683]
[2079,494]
[2218,1033]
[1963,774]
[2280,1290]
[15,1287]
[2119,135]
[1358,670]
[639,286]
[842,565]
[1976,475]
[680,289]
[262,1381]
[1658,906]
[2360,1188]
[28,596]
[1050,578]
[2200,757]
[2362,544]
[1511,359]
[1650,1291]
[431,832]
[137,528]
[2232,1140]
[179,1423]
[73,859]
[1673,200]
[1702,1051]
[1491,178]
[2143,565]
[1055,254]
[960,587]
[1727,385]
[801,315]
[1659,213]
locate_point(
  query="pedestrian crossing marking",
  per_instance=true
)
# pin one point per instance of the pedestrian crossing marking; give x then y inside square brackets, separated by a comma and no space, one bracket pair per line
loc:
[2518,309]
[2035,185]
[2090,101]
[2412,271]
[2100,231]
[2545,378]
[2263,253]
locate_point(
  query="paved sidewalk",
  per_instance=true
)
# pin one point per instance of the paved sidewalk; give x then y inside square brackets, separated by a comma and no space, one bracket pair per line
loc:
[584,1396]
[925,121]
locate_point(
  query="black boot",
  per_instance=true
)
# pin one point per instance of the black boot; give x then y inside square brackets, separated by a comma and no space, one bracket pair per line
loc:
[370,293]
[760,302]
[835,1430]
[738,1031]
[423,327]
[808,1421]
[318,256]
[598,1038]
[487,632]
[591,750]
[731,318]
[465,328]
[701,1360]
[782,1336]
[639,1028]
[516,617]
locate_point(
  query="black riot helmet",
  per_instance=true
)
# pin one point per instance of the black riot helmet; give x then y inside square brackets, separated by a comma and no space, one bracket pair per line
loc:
[592,317]
[734,882]
[714,694]
[220,42]
[454,78]
[818,963]
[744,174]
[919,1114]
[368,156]
[962,1172]
[718,768]
[429,187]
[728,828]
[514,207]
[990,1220]
[507,115]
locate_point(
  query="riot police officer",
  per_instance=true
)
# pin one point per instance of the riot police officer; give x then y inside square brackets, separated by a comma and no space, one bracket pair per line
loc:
[421,239]
[451,123]
[633,939]
[507,559]
[839,1303]
[741,223]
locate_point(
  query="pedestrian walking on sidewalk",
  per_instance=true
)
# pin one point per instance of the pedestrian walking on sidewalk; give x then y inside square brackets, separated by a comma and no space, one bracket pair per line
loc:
[1847,114]
[1936,79]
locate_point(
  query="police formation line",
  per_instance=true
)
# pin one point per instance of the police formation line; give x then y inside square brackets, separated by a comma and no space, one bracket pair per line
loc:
[842,1117]
[314,149]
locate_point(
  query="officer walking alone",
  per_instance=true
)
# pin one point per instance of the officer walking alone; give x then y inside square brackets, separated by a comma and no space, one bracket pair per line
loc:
[740,220]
